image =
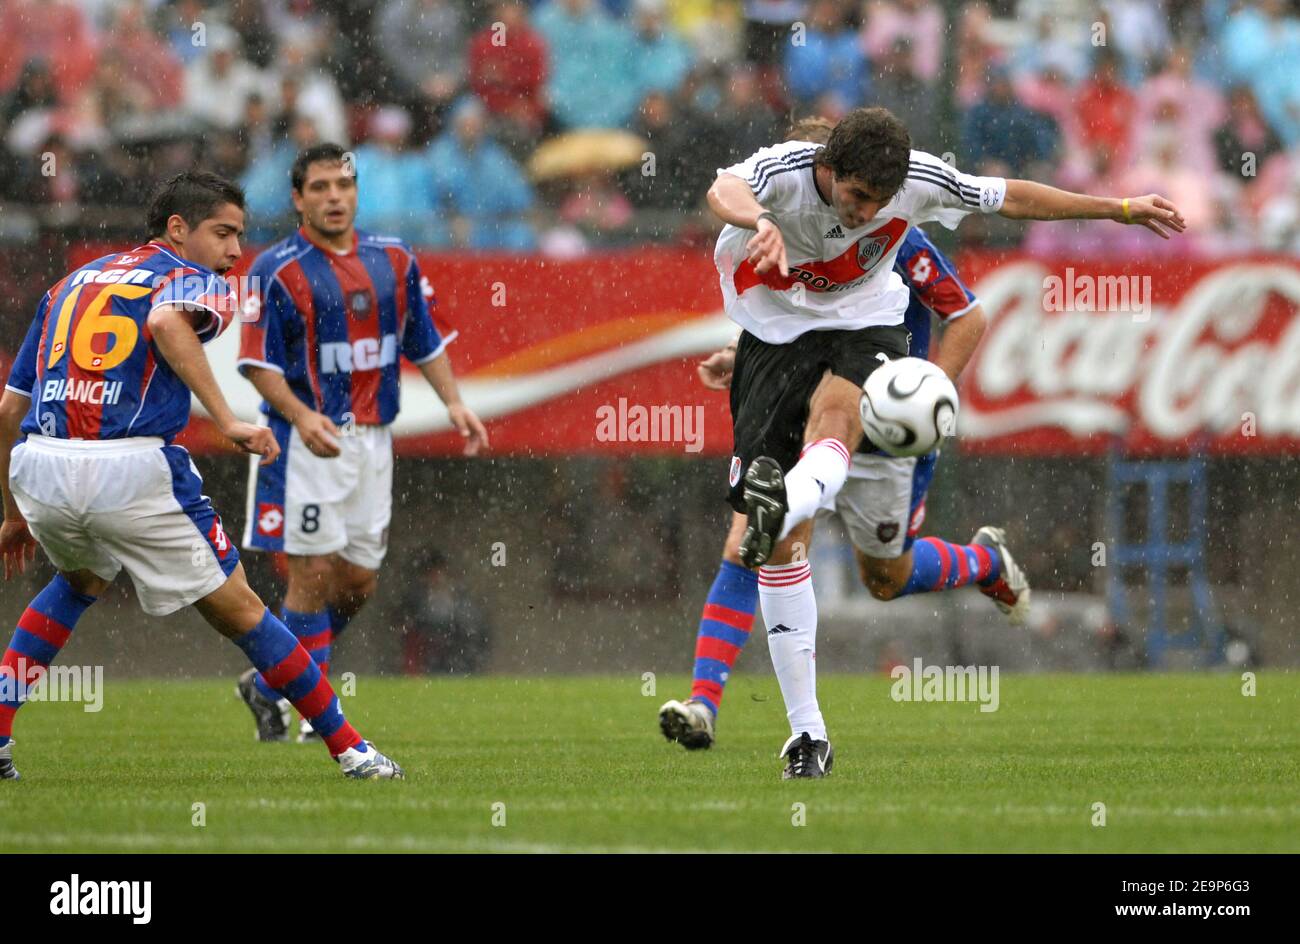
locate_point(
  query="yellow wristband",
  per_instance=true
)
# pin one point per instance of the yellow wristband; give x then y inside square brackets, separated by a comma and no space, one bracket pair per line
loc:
[1123,205]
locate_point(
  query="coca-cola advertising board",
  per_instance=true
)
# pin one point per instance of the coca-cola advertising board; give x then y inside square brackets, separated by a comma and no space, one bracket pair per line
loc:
[1155,357]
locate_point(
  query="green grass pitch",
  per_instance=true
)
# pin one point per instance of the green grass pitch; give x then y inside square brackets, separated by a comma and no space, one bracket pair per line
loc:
[1182,762]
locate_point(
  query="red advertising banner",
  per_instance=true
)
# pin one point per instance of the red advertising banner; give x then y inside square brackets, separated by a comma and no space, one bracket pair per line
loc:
[1152,356]
[598,354]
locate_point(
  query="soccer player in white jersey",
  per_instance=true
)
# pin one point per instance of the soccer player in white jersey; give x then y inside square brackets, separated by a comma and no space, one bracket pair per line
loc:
[806,268]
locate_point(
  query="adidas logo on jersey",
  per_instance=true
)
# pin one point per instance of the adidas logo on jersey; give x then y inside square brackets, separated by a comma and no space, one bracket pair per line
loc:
[835,232]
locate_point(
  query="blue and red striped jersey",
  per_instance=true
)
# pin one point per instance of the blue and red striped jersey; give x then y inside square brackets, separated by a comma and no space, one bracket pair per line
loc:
[334,323]
[935,287]
[89,363]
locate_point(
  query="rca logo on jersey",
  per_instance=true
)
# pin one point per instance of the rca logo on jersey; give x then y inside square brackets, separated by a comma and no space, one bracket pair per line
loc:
[342,357]
[270,520]
[95,392]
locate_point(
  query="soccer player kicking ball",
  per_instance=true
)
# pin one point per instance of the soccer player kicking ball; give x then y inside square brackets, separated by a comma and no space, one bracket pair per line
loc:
[332,311]
[882,506]
[806,269]
[100,388]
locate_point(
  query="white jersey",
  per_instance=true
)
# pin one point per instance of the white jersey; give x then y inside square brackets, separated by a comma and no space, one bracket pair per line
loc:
[840,279]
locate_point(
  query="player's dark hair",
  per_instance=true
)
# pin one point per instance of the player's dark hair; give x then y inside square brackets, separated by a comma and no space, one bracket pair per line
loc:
[871,145]
[325,153]
[815,129]
[194,196]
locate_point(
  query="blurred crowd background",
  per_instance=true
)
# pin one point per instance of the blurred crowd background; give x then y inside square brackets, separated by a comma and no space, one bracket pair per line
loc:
[447,102]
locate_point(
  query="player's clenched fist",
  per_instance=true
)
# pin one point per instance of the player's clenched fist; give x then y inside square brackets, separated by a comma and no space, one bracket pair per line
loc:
[255,440]
[319,434]
[767,249]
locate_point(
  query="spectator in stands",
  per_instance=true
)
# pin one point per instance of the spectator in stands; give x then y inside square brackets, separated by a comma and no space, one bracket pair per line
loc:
[828,60]
[590,85]
[1260,46]
[976,52]
[1051,48]
[1003,138]
[1104,108]
[507,72]
[899,88]
[115,100]
[1139,31]
[675,183]
[150,60]
[743,124]
[393,195]
[54,31]
[443,629]
[661,58]
[920,22]
[1244,133]
[251,21]
[306,89]
[34,92]
[482,192]
[267,202]
[1194,107]
[184,28]
[768,30]
[219,85]
[714,28]
[423,42]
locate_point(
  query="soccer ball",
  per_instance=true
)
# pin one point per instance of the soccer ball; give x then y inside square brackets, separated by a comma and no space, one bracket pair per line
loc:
[907,406]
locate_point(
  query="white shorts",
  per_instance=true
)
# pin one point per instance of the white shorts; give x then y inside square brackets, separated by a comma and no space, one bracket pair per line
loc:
[882,503]
[124,503]
[307,505]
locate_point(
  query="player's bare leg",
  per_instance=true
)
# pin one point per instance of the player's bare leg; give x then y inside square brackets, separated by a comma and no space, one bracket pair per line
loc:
[778,502]
[239,614]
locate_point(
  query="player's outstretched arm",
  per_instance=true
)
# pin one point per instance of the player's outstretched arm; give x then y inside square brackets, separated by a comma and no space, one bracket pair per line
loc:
[1027,200]
[173,334]
[317,430]
[17,546]
[443,381]
[958,342]
[732,201]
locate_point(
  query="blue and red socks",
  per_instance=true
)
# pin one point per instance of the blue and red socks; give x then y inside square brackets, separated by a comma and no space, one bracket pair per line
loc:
[313,631]
[938,565]
[724,629]
[338,622]
[289,671]
[42,631]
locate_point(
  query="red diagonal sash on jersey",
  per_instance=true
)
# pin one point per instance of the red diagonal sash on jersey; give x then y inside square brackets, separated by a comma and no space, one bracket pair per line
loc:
[862,255]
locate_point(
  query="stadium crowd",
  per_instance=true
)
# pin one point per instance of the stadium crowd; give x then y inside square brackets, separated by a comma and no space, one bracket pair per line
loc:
[445,102]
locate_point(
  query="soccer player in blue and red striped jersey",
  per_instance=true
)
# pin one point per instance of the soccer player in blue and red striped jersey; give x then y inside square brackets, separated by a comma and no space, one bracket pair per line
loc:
[882,505]
[332,313]
[100,388]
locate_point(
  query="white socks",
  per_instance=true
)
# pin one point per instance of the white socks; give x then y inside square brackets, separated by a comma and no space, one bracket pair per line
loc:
[814,481]
[790,611]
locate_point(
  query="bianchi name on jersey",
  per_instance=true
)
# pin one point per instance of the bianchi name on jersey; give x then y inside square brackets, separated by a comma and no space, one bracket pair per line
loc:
[840,279]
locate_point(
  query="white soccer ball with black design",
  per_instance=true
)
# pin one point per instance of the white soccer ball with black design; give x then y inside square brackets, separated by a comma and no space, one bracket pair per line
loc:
[908,405]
